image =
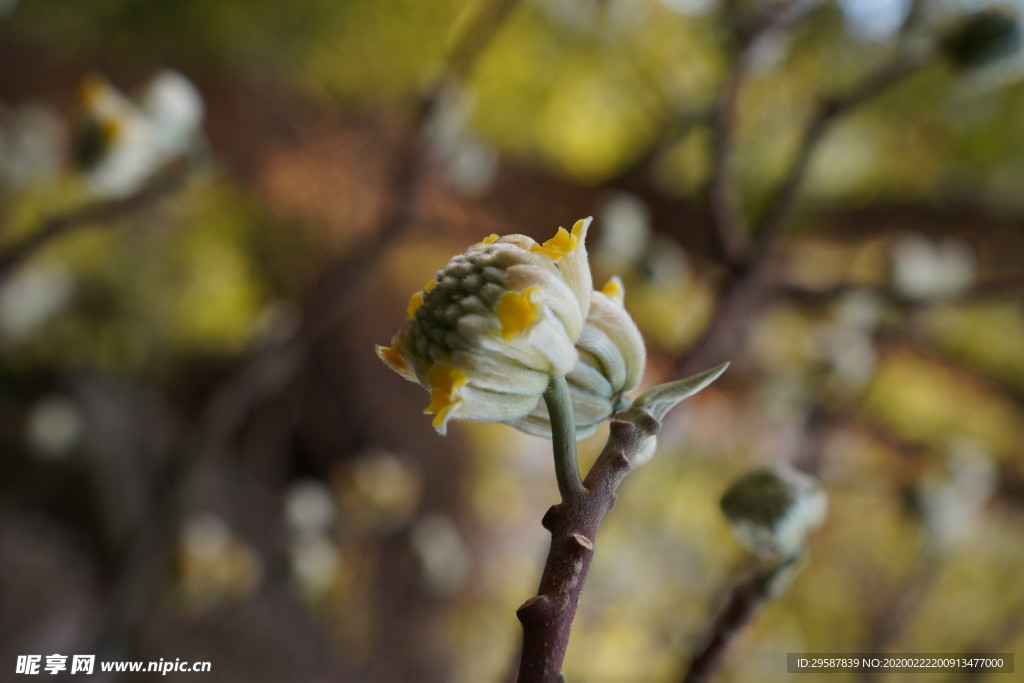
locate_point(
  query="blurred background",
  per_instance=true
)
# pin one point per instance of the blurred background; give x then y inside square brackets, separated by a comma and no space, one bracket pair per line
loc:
[210,211]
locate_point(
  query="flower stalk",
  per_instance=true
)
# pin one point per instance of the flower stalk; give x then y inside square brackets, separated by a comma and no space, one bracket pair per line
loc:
[563,439]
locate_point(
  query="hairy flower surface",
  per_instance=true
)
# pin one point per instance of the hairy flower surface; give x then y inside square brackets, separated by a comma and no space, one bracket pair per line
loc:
[485,336]
[611,362]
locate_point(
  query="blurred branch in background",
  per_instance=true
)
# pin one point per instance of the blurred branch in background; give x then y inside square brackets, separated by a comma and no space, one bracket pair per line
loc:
[102,213]
[751,267]
[743,602]
[728,221]
[830,112]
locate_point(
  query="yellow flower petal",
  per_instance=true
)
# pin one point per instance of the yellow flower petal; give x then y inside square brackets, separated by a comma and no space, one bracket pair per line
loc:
[445,382]
[415,301]
[614,290]
[517,311]
[430,285]
[395,359]
[560,245]
[487,240]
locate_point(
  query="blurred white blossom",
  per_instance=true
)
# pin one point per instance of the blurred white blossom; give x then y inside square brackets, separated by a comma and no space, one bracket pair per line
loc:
[442,553]
[848,353]
[55,426]
[625,233]
[175,109]
[315,563]
[309,507]
[859,311]
[31,298]
[627,245]
[470,164]
[952,494]
[376,492]
[214,564]
[925,270]
[122,144]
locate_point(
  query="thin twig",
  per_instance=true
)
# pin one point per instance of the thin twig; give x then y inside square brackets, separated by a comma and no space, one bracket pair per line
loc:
[901,607]
[1001,637]
[829,112]
[745,287]
[744,600]
[727,221]
[547,617]
[729,226]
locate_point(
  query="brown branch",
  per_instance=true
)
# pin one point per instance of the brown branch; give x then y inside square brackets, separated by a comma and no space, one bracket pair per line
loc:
[90,215]
[1001,637]
[727,221]
[900,608]
[547,617]
[744,601]
[728,224]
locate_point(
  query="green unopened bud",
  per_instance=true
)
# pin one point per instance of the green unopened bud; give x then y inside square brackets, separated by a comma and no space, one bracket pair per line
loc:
[773,509]
[487,333]
[983,38]
[611,362]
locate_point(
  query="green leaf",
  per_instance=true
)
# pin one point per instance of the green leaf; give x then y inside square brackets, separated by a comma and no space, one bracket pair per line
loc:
[664,397]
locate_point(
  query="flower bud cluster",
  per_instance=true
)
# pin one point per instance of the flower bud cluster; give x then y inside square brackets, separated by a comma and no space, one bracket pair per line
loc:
[495,324]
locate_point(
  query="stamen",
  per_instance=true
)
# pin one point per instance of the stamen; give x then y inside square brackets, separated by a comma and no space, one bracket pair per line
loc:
[562,244]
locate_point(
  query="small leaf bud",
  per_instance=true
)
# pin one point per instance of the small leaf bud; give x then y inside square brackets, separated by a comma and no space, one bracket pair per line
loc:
[773,509]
